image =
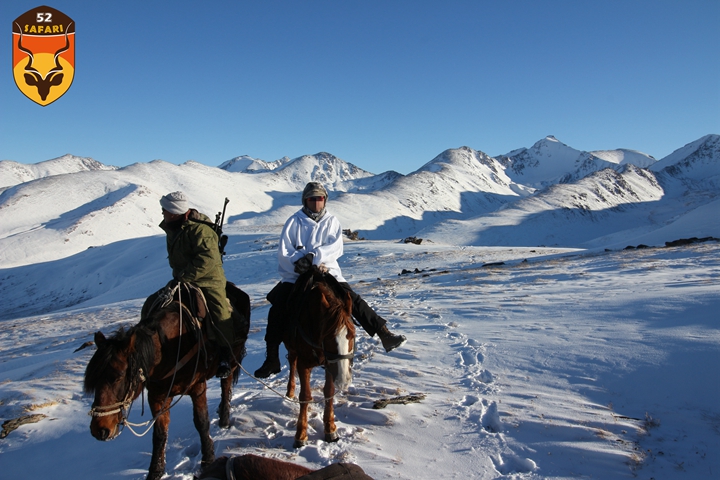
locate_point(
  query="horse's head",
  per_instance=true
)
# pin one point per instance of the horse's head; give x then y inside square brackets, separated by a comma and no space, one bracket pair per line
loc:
[115,376]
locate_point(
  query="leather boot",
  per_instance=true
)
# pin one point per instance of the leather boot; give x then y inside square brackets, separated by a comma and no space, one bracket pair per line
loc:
[389,340]
[224,369]
[272,362]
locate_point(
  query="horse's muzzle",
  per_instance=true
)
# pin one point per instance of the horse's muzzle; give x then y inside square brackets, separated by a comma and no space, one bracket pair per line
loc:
[104,433]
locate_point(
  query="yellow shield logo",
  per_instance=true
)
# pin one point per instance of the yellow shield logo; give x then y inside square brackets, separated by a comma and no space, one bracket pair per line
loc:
[43,54]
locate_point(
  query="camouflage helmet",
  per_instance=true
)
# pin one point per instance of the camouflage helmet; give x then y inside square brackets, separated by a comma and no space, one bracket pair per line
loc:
[314,189]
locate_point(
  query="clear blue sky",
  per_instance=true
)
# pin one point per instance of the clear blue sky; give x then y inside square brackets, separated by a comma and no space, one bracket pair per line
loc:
[386,85]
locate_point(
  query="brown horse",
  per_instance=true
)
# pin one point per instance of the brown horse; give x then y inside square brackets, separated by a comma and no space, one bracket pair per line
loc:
[324,335]
[167,354]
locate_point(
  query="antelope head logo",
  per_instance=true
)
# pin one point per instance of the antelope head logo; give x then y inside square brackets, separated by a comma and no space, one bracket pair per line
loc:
[43,54]
[35,78]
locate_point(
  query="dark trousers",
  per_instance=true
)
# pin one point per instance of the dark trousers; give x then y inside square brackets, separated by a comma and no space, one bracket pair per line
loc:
[278,316]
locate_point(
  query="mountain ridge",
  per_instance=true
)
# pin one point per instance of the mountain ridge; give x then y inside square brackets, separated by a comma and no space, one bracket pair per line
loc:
[550,161]
[459,196]
[13,173]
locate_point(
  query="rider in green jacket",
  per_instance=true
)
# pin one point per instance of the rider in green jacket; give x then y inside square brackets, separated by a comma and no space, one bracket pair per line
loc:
[194,257]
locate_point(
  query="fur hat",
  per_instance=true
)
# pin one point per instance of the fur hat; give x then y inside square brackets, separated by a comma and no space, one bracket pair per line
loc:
[314,189]
[175,202]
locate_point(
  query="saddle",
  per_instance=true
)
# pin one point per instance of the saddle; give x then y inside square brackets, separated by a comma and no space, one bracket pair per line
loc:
[295,299]
[195,306]
[305,283]
[190,296]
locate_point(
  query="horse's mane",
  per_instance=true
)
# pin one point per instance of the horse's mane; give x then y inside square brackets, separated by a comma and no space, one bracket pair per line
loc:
[143,356]
[334,293]
[337,314]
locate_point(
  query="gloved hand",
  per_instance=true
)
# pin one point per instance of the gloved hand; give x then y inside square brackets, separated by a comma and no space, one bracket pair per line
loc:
[322,268]
[304,264]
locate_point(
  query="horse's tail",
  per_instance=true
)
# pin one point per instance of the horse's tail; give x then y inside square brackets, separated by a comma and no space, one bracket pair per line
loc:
[240,302]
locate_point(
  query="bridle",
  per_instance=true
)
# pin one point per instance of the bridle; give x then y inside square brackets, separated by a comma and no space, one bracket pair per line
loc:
[122,407]
[330,357]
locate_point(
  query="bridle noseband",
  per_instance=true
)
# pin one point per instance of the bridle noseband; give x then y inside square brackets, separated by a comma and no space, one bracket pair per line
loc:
[120,407]
[336,357]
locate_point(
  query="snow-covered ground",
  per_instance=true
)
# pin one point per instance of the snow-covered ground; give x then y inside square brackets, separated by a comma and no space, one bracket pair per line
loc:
[559,363]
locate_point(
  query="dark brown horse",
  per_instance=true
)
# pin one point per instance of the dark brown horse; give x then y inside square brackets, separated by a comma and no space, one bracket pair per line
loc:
[324,335]
[167,354]
[254,467]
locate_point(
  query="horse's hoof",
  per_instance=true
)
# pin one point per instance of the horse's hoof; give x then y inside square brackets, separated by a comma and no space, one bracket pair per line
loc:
[332,437]
[224,422]
[155,475]
[299,443]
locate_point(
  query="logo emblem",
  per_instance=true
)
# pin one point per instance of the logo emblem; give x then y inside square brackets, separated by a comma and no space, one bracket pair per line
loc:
[43,54]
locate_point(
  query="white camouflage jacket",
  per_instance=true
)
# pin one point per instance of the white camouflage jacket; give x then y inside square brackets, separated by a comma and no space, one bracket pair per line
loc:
[302,235]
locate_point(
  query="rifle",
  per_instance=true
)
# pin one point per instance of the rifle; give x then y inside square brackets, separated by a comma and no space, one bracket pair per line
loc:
[219,220]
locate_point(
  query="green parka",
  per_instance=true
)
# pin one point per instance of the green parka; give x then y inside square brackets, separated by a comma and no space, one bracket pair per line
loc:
[193,252]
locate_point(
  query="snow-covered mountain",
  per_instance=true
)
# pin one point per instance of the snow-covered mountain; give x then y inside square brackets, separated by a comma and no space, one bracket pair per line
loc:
[247,164]
[570,214]
[461,197]
[696,161]
[550,161]
[323,167]
[623,156]
[14,173]
[453,184]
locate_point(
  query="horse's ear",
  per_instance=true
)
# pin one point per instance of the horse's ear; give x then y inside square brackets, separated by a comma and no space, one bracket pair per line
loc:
[324,301]
[99,338]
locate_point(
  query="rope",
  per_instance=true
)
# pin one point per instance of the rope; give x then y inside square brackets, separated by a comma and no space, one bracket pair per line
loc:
[130,426]
[285,397]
